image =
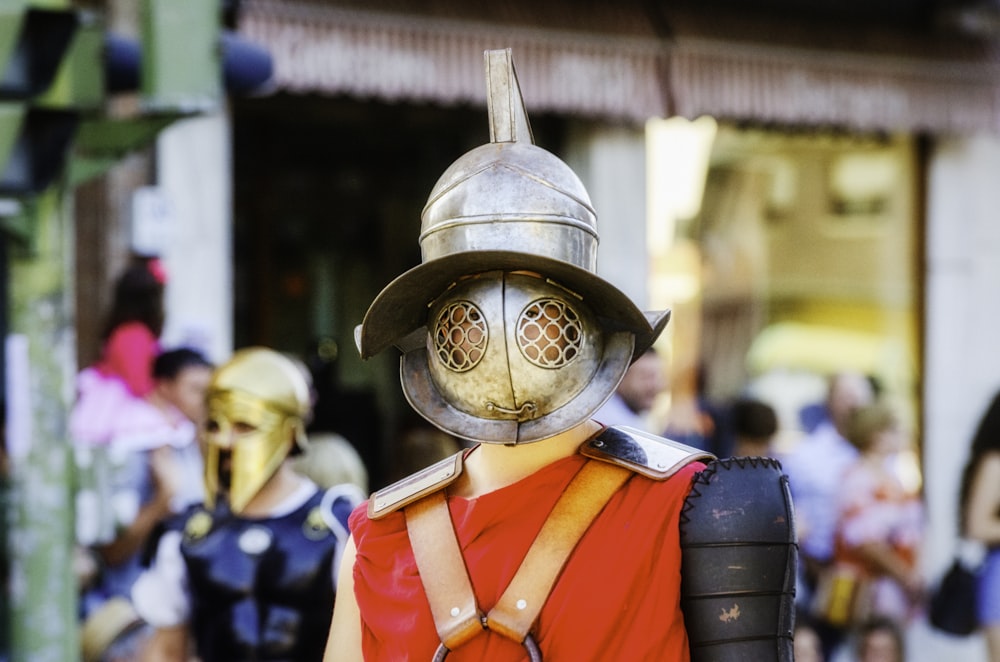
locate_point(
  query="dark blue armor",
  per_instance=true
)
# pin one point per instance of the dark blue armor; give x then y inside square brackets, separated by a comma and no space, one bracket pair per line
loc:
[262,589]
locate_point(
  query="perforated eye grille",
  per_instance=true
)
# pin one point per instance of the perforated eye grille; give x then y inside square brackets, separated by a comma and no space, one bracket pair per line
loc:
[460,336]
[549,333]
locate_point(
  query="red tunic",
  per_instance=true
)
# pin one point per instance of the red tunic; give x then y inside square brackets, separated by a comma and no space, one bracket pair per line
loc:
[618,597]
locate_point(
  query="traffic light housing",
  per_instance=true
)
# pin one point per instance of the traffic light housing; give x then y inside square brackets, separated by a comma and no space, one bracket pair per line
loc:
[57,67]
[36,41]
[34,137]
[35,144]
[190,58]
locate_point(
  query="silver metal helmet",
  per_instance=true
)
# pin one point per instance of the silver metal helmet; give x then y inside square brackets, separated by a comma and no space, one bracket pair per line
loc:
[508,334]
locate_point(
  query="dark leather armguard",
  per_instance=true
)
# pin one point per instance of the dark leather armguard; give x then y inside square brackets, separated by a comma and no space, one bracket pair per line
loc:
[739,555]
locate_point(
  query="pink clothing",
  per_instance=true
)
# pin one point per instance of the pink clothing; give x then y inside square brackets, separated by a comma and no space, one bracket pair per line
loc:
[110,403]
[874,506]
[129,354]
[618,598]
[105,412]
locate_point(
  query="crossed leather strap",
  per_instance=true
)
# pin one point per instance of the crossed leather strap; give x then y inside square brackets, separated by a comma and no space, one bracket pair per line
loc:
[446,581]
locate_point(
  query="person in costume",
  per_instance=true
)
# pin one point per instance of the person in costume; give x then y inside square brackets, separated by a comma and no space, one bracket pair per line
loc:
[552,537]
[250,573]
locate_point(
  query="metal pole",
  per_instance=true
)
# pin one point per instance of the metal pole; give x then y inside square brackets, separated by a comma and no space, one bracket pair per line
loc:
[39,361]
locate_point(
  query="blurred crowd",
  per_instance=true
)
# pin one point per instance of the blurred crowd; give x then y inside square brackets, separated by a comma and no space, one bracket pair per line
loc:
[860,518]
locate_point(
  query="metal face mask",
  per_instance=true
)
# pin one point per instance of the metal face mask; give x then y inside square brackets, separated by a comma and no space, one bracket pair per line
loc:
[256,404]
[505,352]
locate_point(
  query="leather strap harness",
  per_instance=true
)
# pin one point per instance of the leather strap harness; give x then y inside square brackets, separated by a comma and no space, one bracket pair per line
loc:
[457,617]
[615,454]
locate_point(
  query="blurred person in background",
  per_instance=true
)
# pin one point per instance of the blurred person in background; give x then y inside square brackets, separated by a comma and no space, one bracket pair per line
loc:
[155,472]
[250,573]
[694,420]
[106,391]
[114,634]
[979,502]
[180,380]
[807,646]
[632,401]
[814,467]
[879,640]
[879,533]
[161,463]
[330,459]
[111,403]
[754,424]
[421,445]
[132,331]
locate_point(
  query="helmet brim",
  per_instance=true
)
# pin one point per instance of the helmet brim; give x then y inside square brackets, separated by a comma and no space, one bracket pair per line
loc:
[401,307]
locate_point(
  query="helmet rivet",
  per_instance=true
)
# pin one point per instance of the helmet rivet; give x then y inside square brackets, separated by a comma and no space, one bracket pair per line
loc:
[455,611]
[522,604]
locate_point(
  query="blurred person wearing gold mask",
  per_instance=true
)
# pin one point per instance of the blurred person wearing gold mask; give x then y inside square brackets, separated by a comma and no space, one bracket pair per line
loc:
[250,573]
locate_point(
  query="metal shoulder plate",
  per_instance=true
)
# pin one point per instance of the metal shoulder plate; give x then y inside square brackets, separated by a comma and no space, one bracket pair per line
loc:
[415,486]
[644,453]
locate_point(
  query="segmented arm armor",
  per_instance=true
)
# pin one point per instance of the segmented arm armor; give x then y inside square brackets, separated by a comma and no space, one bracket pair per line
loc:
[739,556]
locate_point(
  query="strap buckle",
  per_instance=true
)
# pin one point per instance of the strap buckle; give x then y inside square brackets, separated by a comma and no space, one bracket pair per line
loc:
[529,644]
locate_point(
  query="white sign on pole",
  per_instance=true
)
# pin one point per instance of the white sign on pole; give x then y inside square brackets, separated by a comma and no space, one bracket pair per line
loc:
[154,220]
[18,385]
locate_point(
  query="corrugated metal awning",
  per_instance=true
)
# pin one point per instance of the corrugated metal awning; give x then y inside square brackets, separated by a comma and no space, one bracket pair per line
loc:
[623,73]
[802,87]
[396,57]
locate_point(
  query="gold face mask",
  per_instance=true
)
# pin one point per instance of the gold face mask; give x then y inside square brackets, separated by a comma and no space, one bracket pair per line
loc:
[246,436]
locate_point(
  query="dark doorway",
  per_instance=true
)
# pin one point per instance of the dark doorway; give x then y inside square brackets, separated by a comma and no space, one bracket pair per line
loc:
[327,200]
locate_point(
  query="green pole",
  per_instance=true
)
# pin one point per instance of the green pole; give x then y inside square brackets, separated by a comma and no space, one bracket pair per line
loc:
[40,360]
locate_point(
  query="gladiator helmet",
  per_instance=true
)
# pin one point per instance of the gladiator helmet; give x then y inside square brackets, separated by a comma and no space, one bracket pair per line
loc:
[507,333]
[258,403]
